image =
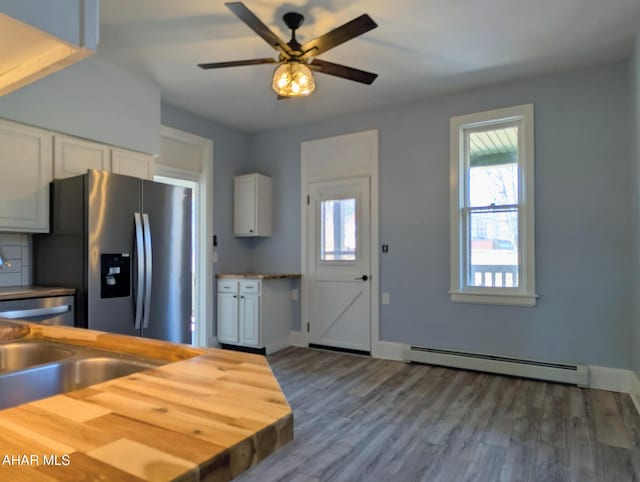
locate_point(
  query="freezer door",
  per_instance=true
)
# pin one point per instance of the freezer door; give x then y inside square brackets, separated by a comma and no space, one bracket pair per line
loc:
[112,202]
[168,210]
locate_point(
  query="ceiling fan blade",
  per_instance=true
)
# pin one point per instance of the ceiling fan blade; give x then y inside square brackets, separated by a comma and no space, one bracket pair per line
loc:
[237,63]
[343,71]
[338,36]
[255,24]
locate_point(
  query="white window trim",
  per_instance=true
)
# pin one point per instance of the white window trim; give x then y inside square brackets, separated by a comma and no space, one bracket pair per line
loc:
[525,294]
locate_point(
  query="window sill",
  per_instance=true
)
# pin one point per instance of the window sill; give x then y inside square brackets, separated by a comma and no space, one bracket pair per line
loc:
[494,299]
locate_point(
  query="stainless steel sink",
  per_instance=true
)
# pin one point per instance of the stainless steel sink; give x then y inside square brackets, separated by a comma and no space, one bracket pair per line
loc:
[20,355]
[89,371]
[42,369]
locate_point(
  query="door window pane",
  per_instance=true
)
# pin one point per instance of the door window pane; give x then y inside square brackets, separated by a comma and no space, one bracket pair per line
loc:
[338,230]
[493,166]
[493,249]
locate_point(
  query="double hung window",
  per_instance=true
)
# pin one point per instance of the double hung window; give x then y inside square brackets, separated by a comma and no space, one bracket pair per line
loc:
[492,207]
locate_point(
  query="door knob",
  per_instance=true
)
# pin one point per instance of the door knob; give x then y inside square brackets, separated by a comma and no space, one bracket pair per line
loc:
[363,278]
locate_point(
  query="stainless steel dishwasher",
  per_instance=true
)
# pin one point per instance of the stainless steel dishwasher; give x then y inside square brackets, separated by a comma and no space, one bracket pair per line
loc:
[53,310]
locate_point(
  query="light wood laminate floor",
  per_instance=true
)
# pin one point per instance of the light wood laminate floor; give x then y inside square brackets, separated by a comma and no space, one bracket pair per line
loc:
[375,420]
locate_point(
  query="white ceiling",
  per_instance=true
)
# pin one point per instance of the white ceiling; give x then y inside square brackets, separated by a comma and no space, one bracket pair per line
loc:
[421,47]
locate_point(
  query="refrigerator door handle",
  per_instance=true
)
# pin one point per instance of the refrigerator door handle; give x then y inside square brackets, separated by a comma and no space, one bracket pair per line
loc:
[140,270]
[148,270]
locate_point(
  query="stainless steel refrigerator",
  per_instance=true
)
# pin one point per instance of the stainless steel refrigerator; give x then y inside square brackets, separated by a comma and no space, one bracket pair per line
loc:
[125,245]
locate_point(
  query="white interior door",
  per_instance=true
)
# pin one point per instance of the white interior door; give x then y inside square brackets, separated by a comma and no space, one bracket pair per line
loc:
[339,257]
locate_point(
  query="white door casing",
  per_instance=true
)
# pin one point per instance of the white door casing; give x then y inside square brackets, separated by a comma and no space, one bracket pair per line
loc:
[187,156]
[334,158]
[340,290]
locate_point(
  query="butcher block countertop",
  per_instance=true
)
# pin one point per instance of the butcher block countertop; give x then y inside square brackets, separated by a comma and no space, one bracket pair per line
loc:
[208,414]
[23,292]
[259,275]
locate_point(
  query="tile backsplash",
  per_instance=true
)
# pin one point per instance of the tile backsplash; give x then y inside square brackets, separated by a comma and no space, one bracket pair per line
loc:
[16,250]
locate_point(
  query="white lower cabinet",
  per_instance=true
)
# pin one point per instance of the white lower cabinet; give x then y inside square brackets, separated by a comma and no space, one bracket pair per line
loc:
[228,317]
[249,320]
[254,313]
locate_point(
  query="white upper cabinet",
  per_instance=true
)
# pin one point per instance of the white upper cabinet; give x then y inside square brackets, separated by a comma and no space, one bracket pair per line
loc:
[252,205]
[73,157]
[27,163]
[131,163]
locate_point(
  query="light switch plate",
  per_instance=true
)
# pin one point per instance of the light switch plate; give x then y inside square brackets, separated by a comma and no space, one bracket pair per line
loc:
[385,299]
[294,295]
[215,256]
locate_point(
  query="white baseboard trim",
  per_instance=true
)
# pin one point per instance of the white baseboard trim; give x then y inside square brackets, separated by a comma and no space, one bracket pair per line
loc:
[611,379]
[635,391]
[389,350]
[274,347]
[297,338]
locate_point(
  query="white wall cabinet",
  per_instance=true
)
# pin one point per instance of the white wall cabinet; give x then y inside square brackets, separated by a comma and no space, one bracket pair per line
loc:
[27,164]
[254,313]
[131,163]
[73,157]
[252,205]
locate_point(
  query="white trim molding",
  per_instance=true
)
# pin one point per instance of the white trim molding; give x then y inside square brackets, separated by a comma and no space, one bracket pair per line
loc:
[390,350]
[339,169]
[204,329]
[634,391]
[610,379]
[616,380]
[461,128]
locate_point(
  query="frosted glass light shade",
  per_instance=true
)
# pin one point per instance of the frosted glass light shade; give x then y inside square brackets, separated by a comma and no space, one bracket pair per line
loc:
[293,79]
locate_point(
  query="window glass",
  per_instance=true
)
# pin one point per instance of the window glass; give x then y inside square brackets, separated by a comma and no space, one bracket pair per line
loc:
[338,230]
[493,166]
[493,249]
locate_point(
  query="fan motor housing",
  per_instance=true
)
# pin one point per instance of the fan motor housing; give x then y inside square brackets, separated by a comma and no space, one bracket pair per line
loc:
[293,20]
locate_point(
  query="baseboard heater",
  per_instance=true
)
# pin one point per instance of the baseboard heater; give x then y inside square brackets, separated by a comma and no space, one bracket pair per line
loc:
[540,370]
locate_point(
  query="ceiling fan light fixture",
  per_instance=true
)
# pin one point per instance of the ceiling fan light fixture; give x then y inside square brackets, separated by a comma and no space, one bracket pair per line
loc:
[293,79]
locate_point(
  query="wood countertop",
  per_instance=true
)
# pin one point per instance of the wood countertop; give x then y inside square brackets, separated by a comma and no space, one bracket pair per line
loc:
[259,275]
[23,292]
[209,415]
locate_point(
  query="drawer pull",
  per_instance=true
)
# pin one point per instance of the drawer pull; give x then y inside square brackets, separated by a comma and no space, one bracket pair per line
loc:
[55,310]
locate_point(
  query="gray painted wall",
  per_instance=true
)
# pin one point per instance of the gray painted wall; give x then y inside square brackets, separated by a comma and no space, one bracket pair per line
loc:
[91,99]
[634,70]
[583,237]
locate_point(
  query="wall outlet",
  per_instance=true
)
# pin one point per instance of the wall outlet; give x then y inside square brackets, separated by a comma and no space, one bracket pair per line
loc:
[385,299]
[215,256]
[294,295]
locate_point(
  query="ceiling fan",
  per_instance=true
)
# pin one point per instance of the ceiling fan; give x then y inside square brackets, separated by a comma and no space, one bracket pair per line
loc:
[294,77]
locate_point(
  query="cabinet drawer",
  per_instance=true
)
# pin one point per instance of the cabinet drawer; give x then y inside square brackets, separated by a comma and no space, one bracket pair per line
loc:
[228,286]
[250,286]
